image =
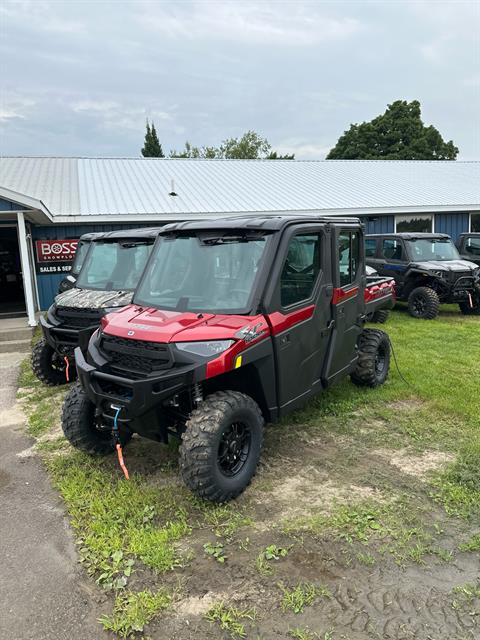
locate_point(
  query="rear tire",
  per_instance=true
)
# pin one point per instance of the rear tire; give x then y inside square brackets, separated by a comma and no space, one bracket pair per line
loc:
[221,446]
[78,424]
[373,359]
[380,316]
[467,310]
[49,366]
[423,303]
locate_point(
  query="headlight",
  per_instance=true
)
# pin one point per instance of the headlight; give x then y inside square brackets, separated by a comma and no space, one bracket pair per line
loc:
[205,348]
[440,274]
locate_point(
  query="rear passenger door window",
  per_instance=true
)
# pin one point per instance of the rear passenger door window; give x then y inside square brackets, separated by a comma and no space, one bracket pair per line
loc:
[370,247]
[349,256]
[392,249]
[300,269]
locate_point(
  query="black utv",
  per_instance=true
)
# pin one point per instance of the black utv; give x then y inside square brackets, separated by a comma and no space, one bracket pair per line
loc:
[468,245]
[111,268]
[235,322]
[428,271]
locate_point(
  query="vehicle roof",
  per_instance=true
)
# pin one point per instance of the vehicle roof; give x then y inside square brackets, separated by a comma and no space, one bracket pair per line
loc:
[269,223]
[126,234]
[409,235]
[470,233]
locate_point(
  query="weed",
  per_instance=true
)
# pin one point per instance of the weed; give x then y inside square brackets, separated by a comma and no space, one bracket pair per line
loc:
[216,551]
[132,611]
[472,545]
[366,558]
[301,596]
[225,519]
[264,558]
[300,633]
[466,594]
[230,618]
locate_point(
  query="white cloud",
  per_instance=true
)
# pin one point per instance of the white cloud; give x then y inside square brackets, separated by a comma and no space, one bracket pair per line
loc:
[14,106]
[303,151]
[40,15]
[284,24]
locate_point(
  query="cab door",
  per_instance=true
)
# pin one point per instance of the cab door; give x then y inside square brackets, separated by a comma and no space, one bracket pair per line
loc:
[348,303]
[298,311]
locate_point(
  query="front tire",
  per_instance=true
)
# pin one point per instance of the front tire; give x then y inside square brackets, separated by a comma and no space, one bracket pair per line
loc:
[373,359]
[221,446]
[49,366]
[423,303]
[78,424]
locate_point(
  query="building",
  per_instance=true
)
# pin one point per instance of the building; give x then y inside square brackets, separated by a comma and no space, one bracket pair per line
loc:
[47,203]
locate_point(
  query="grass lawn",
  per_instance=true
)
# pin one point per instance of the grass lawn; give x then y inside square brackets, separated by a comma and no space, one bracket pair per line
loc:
[363,520]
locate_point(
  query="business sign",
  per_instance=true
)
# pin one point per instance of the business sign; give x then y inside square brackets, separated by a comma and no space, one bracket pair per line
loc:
[55,256]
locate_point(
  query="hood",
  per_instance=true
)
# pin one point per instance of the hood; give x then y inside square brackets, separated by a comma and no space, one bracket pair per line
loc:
[154,325]
[88,298]
[445,265]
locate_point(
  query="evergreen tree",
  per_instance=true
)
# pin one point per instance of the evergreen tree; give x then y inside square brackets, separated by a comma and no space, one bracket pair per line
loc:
[398,134]
[152,147]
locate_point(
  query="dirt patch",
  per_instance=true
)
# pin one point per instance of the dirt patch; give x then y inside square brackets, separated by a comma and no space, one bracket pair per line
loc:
[415,465]
[411,404]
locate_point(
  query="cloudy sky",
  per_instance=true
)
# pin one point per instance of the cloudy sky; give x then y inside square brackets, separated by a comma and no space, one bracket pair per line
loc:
[79,78]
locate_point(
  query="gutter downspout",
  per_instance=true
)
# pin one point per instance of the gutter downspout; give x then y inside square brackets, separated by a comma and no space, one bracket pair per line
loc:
[26,270]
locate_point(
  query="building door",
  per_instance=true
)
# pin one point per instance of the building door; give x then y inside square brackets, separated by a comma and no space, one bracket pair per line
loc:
[12,298]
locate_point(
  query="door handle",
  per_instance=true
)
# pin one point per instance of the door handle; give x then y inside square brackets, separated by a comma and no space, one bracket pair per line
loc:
[285,340]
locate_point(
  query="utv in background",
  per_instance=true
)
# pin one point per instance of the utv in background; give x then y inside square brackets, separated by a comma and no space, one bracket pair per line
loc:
[468,245]
[110,271]
[235,322]
[428,271]
[80,254]
[377,315]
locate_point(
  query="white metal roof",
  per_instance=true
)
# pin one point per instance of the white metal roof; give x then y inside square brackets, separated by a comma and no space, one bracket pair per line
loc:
[73,188]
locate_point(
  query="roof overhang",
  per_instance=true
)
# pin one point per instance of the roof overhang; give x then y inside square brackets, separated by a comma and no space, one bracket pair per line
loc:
[186,215]
[34,210]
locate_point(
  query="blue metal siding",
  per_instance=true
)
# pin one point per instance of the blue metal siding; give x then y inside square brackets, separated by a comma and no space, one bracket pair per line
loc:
[452,223]
[48,282]
[6,205]
[380,224]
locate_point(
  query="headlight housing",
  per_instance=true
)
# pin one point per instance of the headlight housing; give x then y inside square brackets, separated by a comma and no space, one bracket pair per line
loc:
[205,348]
[440,273]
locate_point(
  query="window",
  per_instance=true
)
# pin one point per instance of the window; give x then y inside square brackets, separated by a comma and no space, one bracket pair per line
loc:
[414,223]
[370,247]
[472,246]
[349,256]
[113,266]
[300,269]
[392,249]
[475,222]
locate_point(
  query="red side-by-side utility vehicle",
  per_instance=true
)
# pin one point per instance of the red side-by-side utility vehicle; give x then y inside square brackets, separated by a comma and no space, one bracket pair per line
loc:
[235,322]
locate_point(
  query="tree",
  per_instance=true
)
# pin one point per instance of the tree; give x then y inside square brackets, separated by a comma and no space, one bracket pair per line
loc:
[398,134]
[250,146]
[273,155]
[152,147]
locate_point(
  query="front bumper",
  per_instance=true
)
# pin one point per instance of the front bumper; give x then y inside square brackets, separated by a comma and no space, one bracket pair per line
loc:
[136,397]
[63,340]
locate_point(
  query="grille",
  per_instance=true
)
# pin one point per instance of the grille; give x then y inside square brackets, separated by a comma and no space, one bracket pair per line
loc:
[136,356]
[461,278]
[78,318]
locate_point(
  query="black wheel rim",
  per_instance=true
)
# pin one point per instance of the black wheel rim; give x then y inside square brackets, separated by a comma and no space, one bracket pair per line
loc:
[419,305]
[234,448]
[380,361]
[58,363]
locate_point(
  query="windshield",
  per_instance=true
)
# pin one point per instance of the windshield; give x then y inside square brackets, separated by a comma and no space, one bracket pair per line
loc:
[114,266]
[426,249]
[80,253]
[198,273]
